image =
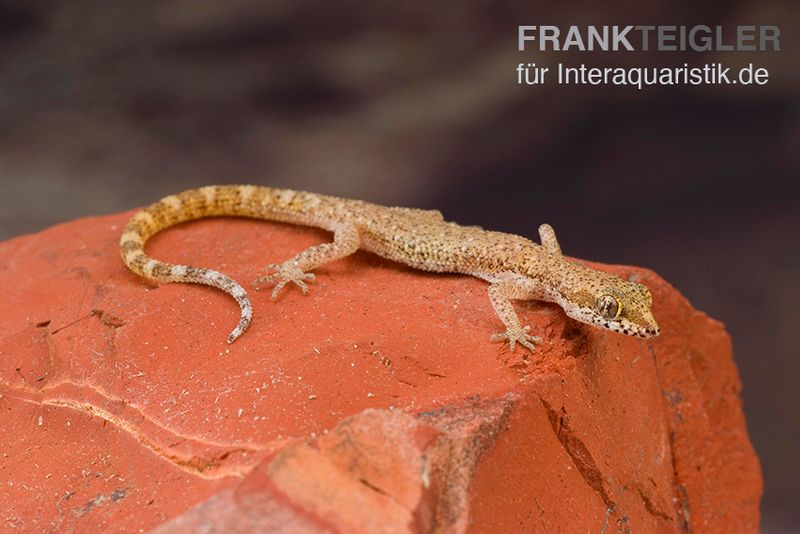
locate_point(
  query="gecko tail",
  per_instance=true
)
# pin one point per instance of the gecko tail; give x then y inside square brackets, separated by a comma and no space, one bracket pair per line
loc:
[210,277]
[134,257]
[244,318]
[190,205]
[218,280]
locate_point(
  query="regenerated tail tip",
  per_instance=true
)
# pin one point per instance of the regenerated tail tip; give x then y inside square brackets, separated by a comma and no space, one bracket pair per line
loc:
[239,330]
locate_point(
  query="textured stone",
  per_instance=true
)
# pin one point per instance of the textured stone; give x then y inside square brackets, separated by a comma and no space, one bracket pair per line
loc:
[375,404]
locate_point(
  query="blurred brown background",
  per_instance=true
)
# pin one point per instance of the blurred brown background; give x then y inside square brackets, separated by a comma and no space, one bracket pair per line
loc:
[105,106]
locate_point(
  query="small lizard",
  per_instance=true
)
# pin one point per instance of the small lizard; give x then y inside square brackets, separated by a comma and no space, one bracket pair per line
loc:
[515,267]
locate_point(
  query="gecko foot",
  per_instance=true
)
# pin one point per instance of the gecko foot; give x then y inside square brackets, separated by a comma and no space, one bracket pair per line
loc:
[517,335]
[284,273]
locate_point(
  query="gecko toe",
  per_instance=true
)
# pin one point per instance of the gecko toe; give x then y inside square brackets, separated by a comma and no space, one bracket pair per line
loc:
[284,273]
[517,335]
[262,281]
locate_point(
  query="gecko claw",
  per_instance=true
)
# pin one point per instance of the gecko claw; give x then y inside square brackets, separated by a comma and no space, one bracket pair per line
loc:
[517,335]
[284,273]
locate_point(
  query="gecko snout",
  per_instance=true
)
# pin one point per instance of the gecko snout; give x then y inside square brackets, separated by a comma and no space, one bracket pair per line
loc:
[650,331]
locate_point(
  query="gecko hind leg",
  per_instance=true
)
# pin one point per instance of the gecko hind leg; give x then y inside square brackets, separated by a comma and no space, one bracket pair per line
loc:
[346,240]
[285,272]
[500,294]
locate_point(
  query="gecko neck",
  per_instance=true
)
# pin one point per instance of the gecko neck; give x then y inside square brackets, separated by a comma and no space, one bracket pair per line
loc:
[554,274]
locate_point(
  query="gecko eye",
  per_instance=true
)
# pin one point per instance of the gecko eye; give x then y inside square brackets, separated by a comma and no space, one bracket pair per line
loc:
[609,307]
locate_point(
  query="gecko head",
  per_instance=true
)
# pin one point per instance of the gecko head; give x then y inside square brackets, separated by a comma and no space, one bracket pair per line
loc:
[612,303]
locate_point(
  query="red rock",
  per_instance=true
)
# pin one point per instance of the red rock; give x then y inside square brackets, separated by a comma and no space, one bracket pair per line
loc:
[375,404]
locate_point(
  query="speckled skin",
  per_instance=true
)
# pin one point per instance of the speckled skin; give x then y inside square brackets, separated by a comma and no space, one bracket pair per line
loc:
[516,268]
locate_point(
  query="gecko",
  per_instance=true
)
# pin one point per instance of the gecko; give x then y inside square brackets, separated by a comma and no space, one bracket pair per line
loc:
[516,268]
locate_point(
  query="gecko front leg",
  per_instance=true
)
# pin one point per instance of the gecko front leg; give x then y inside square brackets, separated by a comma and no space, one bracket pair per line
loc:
[548,238]
[500,293]
[346,240]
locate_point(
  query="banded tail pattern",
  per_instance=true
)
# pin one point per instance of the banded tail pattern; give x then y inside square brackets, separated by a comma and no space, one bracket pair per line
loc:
[222,200]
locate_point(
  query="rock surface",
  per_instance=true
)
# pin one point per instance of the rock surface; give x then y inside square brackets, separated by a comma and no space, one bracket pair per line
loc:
[375,404]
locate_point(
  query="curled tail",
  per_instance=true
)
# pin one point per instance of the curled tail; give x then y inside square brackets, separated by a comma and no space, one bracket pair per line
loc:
[174,209]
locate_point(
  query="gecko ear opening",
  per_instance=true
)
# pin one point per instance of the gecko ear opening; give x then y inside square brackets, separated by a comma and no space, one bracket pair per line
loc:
[609,307]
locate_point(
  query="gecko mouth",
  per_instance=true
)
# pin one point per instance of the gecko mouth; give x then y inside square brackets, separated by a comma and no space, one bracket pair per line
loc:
[630,329]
